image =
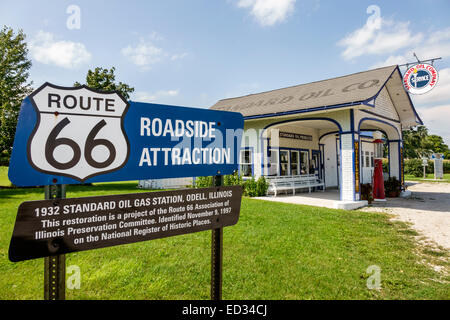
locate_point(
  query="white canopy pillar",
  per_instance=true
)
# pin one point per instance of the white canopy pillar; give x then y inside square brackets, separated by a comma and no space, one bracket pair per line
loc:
[349,165]
[395,159]
[347,173]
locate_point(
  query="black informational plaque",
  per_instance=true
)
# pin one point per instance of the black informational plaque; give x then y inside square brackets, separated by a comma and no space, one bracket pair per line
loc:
[54,227]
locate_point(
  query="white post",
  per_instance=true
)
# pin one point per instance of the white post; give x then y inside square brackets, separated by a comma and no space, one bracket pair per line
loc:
[347,173]
[394,159]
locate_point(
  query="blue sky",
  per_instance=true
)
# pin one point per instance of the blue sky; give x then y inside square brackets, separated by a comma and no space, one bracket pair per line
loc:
[194,53]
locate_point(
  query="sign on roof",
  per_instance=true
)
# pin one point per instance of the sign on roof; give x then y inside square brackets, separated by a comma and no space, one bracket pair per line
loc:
[420,78]
[78,135]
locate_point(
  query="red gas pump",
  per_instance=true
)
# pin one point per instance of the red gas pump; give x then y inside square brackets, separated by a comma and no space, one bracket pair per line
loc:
[378,179]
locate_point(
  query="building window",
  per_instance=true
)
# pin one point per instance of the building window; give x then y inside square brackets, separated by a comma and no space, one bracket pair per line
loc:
[246,163]
[315,163]
[371,160]
[273,162]
[367,159]
[294,163]
[304,162]
[284,163]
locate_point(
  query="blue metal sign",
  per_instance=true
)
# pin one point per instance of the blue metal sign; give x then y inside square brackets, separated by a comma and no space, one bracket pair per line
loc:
[78,135]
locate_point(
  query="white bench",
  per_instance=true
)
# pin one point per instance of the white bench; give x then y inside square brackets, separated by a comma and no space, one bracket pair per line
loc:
[279,183]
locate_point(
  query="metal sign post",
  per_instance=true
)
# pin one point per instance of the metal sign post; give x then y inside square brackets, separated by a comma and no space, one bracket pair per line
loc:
[55,266]
[425,165]
[216,255]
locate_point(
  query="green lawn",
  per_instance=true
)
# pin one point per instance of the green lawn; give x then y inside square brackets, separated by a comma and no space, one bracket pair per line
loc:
[276,251]
[4,181]
[429,176]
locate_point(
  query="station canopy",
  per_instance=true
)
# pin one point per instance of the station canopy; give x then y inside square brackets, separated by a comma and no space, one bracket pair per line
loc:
[357,91]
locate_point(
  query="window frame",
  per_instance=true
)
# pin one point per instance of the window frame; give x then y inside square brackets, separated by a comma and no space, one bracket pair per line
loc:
[288,163]
[251,163]
[297,163]
[307,160]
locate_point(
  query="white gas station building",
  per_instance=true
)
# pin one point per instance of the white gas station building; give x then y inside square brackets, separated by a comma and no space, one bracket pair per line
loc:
[321,134]
[326,129]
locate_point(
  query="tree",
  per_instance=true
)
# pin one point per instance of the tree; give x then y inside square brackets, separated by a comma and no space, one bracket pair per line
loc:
[14,85]
[105,80]
[436,143]
[418,143]
[413,142]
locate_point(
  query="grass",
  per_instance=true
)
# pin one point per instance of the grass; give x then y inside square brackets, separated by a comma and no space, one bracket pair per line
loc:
[4,181]
[411,177]
[276,251]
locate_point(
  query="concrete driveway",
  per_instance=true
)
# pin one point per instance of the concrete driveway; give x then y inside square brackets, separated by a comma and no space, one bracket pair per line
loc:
[428,210]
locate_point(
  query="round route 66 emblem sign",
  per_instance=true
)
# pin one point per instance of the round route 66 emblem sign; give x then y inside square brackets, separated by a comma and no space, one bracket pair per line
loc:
[420,78]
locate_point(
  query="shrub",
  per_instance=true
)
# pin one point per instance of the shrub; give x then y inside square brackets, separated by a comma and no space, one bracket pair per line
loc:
[261,186]
[203,182]
[4,158]
[232,180]
[4,161]
[251,187]
[446,166]
[430,167]
[366,192]
[392,187]
[385,163]
[414,167]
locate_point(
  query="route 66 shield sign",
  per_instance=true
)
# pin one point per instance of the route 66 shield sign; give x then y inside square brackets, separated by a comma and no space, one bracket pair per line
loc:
[79,132]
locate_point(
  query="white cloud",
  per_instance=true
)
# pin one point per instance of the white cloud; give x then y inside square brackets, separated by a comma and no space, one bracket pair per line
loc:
[436,120]
[390,61]
[378,37]
[156,36]
[144,55]
[438,36]
[436,44]
[143,96]
[178,56]
[268,12]
[44,48]
[440,94]
[427,50]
